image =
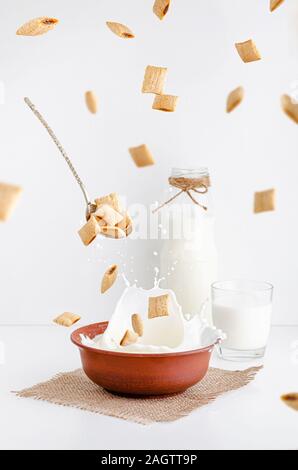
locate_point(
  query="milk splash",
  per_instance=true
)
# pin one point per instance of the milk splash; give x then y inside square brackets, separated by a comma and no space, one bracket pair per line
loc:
[172,333]
[157,280]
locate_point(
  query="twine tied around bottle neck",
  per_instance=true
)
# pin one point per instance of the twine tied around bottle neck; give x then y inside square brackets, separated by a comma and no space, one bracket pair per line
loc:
[188,185]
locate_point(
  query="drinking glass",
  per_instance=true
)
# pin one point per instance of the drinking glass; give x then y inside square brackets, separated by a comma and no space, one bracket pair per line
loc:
[242,310]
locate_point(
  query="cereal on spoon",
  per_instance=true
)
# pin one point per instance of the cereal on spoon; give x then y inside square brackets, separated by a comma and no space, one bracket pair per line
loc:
[105,215]
[108,219]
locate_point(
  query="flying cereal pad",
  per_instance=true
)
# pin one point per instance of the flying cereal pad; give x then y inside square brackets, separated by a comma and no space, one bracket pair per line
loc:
[89,231]
[290,107]
[248,51]
[91,101]
[67,319]
[161,7]
[158,306]
[165,103]
[109,278]
[9,196]
[264,201]
[291,400]
[234,99]
[275,4]
[154,79]
[37,26]
[141,155]
[120,30]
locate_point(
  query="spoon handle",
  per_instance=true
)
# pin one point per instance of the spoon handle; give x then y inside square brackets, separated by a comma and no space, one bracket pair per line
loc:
[62,151]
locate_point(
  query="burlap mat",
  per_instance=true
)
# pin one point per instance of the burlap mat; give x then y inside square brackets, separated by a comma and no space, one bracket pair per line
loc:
[76,390]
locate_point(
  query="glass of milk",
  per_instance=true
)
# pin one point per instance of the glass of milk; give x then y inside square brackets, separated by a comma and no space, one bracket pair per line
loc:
[242,310]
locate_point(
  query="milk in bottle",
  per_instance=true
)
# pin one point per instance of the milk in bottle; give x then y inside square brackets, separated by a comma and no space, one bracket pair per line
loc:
[188,258]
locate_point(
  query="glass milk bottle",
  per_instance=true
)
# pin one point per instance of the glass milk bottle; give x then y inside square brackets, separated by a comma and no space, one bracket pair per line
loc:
[188,256]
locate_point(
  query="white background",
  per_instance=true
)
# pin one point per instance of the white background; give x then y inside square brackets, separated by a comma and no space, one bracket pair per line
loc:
[44,268]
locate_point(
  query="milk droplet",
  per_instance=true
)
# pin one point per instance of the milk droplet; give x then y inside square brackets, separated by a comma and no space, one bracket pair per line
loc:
[159,281]
[156,272]
[126,281]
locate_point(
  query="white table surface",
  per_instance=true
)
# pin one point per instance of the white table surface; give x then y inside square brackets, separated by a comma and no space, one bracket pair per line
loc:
[250,418]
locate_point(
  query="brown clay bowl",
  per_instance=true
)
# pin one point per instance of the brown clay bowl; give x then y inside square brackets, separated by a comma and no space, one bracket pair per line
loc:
[140,374]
